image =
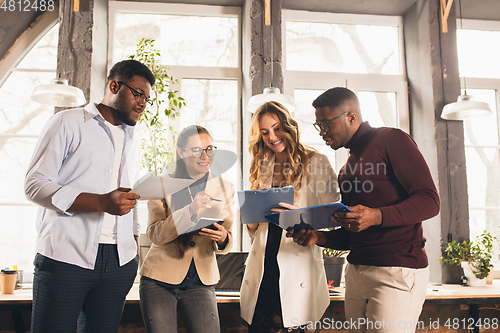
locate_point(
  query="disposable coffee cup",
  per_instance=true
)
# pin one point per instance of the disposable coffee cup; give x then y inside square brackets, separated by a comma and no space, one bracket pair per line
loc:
[8,281]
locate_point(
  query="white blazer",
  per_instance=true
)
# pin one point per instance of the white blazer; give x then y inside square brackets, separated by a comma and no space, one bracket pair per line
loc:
[303,286]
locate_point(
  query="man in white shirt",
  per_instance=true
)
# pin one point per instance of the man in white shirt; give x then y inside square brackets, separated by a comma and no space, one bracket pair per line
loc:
[81,174]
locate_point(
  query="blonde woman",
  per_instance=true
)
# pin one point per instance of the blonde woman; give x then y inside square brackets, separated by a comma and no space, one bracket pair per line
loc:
[180,269]
[284,283]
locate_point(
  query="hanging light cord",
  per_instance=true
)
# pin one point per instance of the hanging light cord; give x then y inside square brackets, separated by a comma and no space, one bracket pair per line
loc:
[461,28]
[272,50]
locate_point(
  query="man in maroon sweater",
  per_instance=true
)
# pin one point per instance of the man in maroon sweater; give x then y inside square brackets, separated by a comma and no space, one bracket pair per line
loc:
[388,186]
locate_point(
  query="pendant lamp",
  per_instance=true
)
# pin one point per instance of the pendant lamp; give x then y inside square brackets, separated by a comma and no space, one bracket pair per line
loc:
[271,93]
[465,107]
[58,93]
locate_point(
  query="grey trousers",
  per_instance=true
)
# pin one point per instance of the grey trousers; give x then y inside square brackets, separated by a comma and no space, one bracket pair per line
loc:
[197,305]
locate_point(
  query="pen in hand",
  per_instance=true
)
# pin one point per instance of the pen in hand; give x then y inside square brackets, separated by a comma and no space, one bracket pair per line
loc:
[214,199]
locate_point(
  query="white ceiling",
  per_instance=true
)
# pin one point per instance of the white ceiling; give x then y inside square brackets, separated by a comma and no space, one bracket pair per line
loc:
[471,9]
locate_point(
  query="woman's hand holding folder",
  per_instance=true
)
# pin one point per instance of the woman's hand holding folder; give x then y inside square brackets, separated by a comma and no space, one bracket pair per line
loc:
[285,206]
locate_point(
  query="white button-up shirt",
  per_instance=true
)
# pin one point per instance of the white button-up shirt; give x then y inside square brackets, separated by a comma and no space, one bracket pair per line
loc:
[73,155]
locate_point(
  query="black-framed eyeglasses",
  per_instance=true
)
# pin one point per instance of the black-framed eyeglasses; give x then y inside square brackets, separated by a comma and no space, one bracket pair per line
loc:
[324,125]
[139,97]
[196,152]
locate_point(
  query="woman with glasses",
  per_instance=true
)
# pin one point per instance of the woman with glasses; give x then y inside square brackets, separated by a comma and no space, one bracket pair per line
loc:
[284,283]
[180,269]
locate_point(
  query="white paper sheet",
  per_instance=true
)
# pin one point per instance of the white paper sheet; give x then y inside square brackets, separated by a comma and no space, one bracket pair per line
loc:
[152,187]
[439,291]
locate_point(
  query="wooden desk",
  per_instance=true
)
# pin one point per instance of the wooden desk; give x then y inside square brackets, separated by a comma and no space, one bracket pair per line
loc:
[452,294]
[16,303]
[22,300]
[444,294]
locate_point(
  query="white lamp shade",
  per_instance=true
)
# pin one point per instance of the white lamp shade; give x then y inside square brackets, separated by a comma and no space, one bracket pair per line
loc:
[58,93]
[271,94]
[465,108]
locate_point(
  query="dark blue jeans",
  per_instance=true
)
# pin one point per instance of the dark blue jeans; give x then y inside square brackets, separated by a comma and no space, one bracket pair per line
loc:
[197,304]
[64,294]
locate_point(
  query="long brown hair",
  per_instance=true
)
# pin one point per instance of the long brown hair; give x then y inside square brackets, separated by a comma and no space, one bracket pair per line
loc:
[180,198]
[297,154]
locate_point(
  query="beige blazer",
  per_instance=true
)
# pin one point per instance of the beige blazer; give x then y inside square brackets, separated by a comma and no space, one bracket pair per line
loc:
[163,262]
[302,283]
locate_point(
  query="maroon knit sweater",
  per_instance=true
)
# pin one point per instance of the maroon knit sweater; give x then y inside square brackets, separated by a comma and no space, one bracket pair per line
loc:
[386,170]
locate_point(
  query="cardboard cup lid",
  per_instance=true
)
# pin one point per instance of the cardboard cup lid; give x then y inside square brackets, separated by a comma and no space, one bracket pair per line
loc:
[8,271]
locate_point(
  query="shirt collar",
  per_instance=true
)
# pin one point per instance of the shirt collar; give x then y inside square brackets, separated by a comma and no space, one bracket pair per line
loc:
[363,129]
[200,180]
[91,112]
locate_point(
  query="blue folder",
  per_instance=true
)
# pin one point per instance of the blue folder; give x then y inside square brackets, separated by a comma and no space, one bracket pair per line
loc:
[256,204]
[314,217]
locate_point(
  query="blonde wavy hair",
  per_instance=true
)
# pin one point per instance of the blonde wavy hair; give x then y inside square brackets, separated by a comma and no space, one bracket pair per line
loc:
[297,154]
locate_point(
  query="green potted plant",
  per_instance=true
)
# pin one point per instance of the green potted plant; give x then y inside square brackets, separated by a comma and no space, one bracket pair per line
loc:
[334,264]
[473,256]
[158,148]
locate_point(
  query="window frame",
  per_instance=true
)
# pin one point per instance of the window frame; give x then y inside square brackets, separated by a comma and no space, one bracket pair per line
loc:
[194,72]
[15,55]
[335,18]
[482,83]
[28,39]
[354,81]
[179,9]
[24,44]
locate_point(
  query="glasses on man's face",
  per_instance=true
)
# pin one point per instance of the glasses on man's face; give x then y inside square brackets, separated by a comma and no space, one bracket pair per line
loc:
[196,152]
[324,125]
[139,97]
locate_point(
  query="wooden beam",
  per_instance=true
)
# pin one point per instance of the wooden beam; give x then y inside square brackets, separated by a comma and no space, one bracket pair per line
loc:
[267,12]
[445,12]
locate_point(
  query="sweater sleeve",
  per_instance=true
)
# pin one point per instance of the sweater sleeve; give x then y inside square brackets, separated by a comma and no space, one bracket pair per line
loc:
[413,174]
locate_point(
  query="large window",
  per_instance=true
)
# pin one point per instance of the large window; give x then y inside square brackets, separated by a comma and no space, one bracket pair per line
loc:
[361,52]
[21,122]
[201,46]
[478,47]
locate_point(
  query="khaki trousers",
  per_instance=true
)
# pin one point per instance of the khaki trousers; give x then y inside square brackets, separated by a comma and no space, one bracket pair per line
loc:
[384,299]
